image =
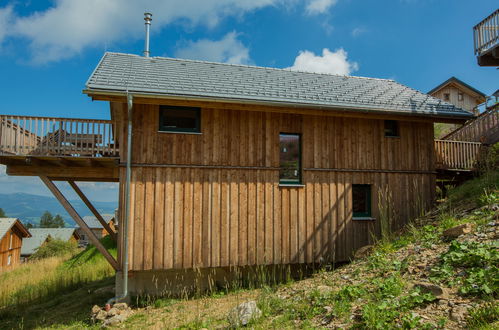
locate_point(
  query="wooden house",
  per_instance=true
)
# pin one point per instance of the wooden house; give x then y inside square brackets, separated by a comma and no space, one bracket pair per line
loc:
[459,93]
[235,166]
[40,236]
[96,227]
[12,233]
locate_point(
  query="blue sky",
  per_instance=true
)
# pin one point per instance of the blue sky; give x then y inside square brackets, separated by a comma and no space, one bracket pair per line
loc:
[49,48]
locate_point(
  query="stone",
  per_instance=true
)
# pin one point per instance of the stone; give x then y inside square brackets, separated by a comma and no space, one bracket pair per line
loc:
[96,309]
[241,315]
[113,311]
[120,306]
[115,320]
[458,313]
[437,291]
[363,251]
[101,315]
[457,231]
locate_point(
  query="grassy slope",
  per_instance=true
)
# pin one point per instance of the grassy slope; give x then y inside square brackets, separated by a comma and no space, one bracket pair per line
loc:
[374,292]
[55,292]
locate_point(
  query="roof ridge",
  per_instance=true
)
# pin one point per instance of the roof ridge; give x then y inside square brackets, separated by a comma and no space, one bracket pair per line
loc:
[246,66]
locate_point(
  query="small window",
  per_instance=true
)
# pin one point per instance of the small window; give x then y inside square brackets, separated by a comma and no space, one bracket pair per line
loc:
[9,259]
[391,128]
[10,240]
[446,96]
[290,158]
[460,96]
[361,200]
[179,119]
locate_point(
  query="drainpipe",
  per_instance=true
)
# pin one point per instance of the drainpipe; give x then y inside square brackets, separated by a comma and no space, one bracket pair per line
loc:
[127,205]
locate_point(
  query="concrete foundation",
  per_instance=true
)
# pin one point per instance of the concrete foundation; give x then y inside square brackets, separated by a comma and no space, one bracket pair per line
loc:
[187,282]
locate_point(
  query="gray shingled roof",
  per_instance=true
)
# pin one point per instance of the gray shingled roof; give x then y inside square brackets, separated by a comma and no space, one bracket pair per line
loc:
[189,79]
[92,221]
[5,225]
[39,235]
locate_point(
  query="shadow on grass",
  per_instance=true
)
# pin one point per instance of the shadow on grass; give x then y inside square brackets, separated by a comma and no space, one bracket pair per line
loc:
[68,309]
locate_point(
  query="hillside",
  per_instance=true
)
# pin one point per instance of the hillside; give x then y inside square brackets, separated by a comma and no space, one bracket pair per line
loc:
[421,278]
[29,208]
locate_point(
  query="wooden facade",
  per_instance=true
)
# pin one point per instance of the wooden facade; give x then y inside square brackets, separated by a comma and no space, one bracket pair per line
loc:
[213,199]
[10,246]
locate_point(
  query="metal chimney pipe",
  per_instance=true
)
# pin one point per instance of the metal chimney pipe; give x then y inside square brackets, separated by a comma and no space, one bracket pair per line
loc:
[148,19]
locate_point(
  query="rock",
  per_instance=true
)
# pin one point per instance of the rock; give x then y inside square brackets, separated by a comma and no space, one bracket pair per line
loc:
[112,312]
[437,291]
[363,251]
[101,315]
[243,314]
[121,306]
[115,320]
[457,231]
[328,309]
[458,313]
[95,309]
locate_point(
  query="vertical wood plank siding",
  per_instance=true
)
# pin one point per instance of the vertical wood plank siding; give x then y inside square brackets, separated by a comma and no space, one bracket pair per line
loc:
[14,251]
[211,209]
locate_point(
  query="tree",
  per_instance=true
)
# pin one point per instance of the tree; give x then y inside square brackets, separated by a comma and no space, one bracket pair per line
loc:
[49,221]
[29,225]
[2,214]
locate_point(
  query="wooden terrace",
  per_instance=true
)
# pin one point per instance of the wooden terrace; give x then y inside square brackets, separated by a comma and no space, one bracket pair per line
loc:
[486,40]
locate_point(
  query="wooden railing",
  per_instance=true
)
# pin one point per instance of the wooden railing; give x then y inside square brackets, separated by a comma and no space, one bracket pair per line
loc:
[49,136]
[477,129]
[486,33]
[459,155]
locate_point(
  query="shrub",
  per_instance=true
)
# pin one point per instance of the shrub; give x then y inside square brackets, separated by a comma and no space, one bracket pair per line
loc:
[55,248]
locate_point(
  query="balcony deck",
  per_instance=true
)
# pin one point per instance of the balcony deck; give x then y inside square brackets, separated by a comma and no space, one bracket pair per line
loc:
[486,40]
[60,148]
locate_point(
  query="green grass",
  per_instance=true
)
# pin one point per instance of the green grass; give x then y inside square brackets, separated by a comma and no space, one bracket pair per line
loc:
[56,291]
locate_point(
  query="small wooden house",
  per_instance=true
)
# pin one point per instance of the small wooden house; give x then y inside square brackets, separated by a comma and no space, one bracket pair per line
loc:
[12,233]
[40,236]
[96,227]
[459,93]
[235,166]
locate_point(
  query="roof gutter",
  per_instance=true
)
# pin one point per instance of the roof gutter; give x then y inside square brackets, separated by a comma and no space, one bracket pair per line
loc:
[356,109]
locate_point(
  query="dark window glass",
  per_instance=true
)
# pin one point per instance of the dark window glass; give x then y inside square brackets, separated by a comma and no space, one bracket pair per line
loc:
[361,200]
[391,128]
[290,158]
[179,119]
[446,96]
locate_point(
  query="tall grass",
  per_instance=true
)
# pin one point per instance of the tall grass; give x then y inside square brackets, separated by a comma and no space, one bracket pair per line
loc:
[42,278]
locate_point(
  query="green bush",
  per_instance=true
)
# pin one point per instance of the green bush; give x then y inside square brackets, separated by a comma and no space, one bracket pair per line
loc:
[55,248]
[481,316]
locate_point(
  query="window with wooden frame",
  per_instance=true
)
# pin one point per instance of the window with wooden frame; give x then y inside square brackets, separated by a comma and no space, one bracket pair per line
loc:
[446,96]
[361,201]
[10,240]
[290,159]
[391,128]
[460,96]
[179,119]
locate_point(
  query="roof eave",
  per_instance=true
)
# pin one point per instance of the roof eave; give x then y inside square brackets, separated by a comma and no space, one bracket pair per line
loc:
[351,108]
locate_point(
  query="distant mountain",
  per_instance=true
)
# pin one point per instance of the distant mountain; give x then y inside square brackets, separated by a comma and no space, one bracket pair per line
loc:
[29,208]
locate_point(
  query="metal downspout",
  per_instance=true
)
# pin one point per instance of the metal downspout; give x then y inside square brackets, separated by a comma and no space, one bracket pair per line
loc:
[127,204]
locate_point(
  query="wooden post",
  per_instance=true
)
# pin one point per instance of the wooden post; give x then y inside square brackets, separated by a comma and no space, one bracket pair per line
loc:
[76,217]
[93,210]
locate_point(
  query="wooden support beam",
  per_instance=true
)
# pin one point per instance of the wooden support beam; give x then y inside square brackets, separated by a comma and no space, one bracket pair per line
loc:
[78,173]
[93,209]
[77,218]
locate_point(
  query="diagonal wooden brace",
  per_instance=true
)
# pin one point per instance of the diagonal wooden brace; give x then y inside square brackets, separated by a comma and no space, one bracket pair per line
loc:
[77,218]
[87,202]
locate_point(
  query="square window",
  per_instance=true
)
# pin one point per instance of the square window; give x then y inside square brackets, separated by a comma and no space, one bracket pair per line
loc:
[391,128]
[446,96]
[460,96]
[179,119]
[290,158]
[361,200]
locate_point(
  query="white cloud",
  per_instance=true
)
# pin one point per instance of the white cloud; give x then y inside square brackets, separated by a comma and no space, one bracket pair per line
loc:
[358,31]
[228,49]
[70,26]
[330,62]
[315,7]
[5,20]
